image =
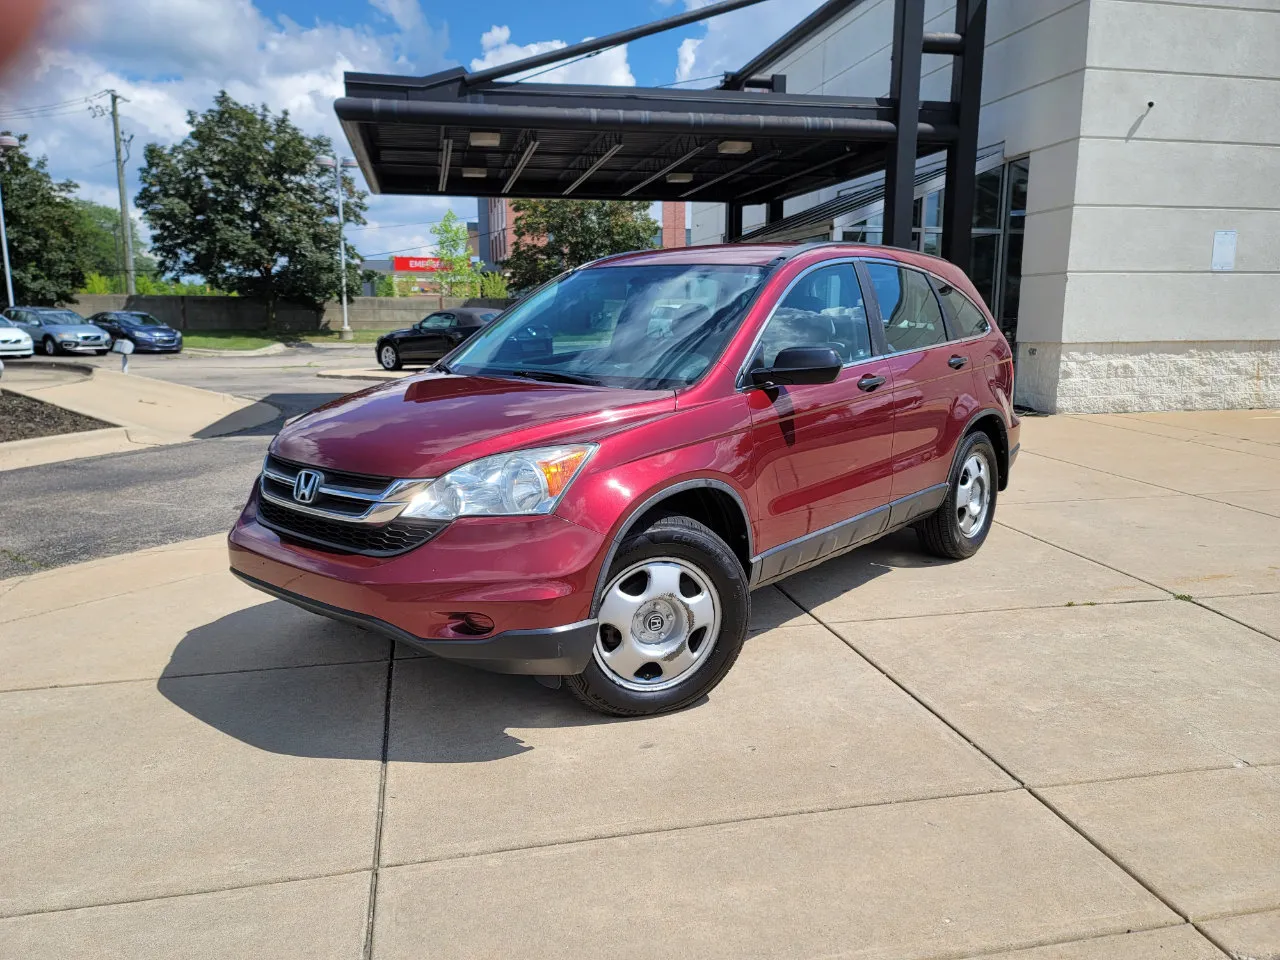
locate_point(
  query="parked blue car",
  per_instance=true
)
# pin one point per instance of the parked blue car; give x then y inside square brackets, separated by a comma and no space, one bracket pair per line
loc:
[142,329]
[57,330]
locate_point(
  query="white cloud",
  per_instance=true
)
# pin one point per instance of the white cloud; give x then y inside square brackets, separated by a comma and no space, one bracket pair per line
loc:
[609,67]
[731,39]
[170,56]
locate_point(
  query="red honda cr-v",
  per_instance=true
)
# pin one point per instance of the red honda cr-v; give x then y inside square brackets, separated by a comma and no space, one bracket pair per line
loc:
[590,488]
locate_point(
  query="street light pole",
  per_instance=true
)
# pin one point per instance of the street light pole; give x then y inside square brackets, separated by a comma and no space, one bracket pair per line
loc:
[6,143]
[338,167]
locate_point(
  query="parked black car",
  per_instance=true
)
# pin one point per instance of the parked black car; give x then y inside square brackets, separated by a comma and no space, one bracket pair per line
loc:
[432,337]
[145,332]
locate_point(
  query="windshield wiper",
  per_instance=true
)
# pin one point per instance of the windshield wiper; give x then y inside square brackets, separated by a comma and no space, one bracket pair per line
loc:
[552,376]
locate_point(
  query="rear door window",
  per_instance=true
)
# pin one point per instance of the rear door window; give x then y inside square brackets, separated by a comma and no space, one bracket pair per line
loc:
[966,319]
[910,311]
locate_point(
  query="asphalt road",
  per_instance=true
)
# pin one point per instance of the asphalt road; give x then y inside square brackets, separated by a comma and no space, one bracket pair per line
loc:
[63,513]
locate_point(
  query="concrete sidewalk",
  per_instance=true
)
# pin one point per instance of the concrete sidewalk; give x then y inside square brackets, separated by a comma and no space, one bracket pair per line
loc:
[151,412]
[1066,748]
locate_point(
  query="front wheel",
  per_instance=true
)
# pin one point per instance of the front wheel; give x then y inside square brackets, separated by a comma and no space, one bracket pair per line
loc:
[389,357]
[673,617]
[959,527]
[50,347]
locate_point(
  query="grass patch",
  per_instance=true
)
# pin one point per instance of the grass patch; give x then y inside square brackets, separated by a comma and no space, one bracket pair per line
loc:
[249,340]
[1182,596]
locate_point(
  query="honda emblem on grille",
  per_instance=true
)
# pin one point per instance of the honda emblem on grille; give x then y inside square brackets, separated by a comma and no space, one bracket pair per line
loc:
[306,484]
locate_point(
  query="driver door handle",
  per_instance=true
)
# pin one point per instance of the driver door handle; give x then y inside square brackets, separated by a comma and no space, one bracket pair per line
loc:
[869,382]
[956,362]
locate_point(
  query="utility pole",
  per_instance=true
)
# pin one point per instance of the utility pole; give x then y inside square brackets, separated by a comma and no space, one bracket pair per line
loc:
[126,226]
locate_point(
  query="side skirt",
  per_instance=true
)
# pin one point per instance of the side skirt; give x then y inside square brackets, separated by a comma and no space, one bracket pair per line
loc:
[814,548]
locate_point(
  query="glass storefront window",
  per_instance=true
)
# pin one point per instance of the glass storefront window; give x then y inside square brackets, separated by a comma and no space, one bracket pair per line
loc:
[1015,224]
[986,204]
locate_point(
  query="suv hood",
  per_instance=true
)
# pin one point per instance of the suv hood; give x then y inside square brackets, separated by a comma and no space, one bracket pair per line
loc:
[426,425]
[56,328]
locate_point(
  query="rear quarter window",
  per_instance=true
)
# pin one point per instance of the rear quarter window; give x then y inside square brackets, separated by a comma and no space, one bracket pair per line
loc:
[966,319]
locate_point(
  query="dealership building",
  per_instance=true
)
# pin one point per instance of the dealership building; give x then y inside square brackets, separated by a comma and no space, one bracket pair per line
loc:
[1126,232]
[1107,171]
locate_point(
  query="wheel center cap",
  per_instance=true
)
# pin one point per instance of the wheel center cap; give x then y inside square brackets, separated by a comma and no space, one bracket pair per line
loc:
[655,621]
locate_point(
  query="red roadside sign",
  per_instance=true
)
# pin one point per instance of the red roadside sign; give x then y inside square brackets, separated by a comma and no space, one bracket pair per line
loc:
[416,264]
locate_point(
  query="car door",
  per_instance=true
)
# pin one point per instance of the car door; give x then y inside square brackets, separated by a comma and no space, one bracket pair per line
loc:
[29,322]
[428,340]
[932,385]
[107,323]
[823,451]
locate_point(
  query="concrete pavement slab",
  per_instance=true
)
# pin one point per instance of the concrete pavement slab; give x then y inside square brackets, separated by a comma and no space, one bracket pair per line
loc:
[1260,611]
[770,608]
[1254,935]
[1260,426]
[1179,428]
[800,723]
[929,879]
[1087,693]
[207,624]
[1037,479]
[59,589]
[1261,501]
[1170,943]
[895,578]
[1208,841]
[1162,461]
[1184,544]
[125,791]
[320,919]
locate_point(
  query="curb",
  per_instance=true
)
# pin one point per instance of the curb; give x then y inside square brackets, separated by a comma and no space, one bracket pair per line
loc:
[371,374]
[37,451]
[87,369]
[269,350]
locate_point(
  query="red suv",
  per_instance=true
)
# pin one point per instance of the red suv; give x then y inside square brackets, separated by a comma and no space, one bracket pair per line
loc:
[590,488]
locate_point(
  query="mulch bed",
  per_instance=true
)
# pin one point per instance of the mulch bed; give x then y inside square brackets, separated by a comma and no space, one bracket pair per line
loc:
[22,418]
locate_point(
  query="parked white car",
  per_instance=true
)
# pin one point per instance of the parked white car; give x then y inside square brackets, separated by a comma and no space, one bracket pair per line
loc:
[14,342]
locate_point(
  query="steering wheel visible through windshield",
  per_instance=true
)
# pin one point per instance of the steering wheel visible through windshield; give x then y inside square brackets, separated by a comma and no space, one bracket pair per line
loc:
[641,327]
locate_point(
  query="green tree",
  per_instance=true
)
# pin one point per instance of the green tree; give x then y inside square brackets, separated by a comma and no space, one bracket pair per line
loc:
[43,229]
[556,235]
[99,227]
[242,202]
[493,285]
[458,277]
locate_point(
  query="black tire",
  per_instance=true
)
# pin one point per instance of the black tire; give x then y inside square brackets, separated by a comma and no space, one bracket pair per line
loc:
[50,347]
[389,356]
[693,543]
[940,533]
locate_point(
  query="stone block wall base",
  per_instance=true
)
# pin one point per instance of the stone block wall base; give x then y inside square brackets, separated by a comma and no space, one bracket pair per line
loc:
[1134,377]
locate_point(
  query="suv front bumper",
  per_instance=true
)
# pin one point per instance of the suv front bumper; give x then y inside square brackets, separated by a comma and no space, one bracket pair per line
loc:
[533,577]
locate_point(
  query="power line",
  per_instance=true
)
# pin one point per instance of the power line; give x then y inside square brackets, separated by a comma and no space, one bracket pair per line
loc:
[51,109]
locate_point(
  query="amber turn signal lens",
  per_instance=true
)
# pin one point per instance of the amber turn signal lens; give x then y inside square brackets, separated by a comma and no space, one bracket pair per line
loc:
[560,470]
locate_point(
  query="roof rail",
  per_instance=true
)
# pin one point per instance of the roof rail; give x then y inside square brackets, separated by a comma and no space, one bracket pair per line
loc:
[800,248]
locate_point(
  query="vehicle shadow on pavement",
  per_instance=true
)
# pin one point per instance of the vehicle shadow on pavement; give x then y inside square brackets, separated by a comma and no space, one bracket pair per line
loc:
[841,576]
[289,405]
[289,682]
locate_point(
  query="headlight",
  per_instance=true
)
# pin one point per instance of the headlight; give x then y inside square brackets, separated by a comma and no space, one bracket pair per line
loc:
[523,483]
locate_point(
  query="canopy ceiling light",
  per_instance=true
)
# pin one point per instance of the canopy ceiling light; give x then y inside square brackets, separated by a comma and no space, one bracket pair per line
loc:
[474,173]
[679,178]
[485,138]
[734,148]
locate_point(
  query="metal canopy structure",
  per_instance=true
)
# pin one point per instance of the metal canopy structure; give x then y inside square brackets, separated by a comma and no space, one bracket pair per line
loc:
[748,142]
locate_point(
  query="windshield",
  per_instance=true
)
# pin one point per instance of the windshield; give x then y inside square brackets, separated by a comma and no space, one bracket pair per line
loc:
[649,327]
[139,319]
[61,317]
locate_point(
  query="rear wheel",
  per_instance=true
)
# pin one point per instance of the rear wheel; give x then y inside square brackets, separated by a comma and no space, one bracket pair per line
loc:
[959,527]
[388,356]
[673,617]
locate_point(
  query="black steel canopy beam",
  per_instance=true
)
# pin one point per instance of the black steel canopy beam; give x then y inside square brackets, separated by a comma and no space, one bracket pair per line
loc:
[480,115]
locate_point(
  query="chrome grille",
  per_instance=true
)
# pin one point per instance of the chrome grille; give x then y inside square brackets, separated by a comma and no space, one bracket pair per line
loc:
[350,512]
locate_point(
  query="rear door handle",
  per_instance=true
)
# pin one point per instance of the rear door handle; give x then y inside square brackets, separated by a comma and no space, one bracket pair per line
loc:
[955,363]
[869,382]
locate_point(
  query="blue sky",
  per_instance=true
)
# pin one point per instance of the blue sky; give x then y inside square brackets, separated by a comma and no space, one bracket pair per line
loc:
[171,56]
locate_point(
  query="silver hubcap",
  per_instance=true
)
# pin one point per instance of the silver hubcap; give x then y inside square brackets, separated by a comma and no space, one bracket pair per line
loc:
[658,622]
[973,495]
[388,357]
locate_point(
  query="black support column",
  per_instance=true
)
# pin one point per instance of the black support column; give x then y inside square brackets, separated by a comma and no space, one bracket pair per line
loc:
[732,222]
[773,211]
[904,90]
[962,155]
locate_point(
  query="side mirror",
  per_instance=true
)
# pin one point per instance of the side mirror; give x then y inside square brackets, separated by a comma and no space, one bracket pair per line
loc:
[797,365]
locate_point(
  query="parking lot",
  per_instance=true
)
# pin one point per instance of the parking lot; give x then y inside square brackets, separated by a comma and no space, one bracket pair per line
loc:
[1071,742]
